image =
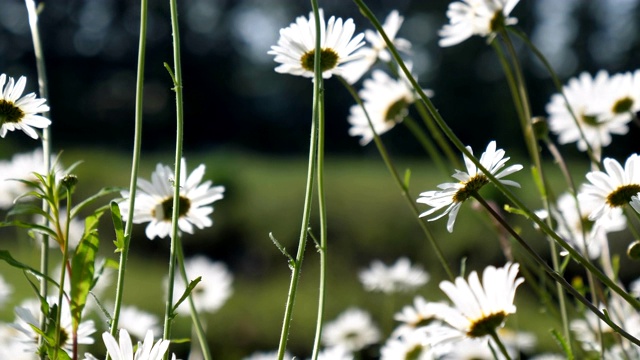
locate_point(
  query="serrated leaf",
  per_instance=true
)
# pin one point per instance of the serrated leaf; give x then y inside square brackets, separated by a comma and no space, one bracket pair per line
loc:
[118,225]
[83,267]
[186,294]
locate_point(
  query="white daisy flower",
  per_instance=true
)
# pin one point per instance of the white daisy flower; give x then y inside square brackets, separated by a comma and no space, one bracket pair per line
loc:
[27,317]
[399,277]
[138,322]
[479,308]
[353,329]
[11,344]
[335,353]
[410,345]
[613,189]
[475,17]
[452,195]
[576,228]
[211,292]
[123,349]
[20,112]
[296,46]
[154,201]
[422,313]
[387,102]
[599,106]
[378,48]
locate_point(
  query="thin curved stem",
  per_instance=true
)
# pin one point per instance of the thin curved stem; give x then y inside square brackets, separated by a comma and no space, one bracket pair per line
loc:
[177,79]
[500,344]
[135,165]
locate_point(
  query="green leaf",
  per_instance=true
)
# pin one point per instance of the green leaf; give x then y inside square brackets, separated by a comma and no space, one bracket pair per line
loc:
[407,177]
[83,267]
[31,226]
[186,293]
[562,342]
[6,256]
[22,208]
[117,225]
[104,191]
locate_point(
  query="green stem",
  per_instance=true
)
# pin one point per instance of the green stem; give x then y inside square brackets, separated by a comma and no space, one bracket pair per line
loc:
[559,279]
[177,80]
[135,165]
[46,145]
[500,344]
[63,273]
[311,173]
[195,317]
[502,188]
[403,187]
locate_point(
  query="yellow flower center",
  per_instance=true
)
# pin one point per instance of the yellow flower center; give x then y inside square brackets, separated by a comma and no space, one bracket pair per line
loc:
[164,210]
[622,195]
[413,353]
[328,59]
[622,105]
[9,112]
[470,187]
[486,325]
[397,111]
[497,22]
[590,120]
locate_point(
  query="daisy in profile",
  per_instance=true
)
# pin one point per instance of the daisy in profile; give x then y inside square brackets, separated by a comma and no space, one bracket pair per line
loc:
[353,330]
[377,49]
[28,317]
[612,189]
[123,348]
[480,308]
[387,102]
[602,106]
[154,201]
[475,17]
[212,291]
[296,47]
[582,233]
[452,195]
[20,112]
[399,277]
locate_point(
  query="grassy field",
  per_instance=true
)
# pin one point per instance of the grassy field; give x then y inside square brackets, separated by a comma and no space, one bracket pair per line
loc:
[368,219]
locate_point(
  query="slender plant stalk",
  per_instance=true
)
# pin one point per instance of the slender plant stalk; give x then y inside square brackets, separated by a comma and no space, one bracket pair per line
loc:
[502,188]
[553,273]
[402,185]
[503,349]
[177,83]
[520,97]
[306,212]
[135,164]
[64,236]
[195,317]
[46,147]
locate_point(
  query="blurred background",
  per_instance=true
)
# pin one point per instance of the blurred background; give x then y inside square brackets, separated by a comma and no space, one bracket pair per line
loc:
[250,126]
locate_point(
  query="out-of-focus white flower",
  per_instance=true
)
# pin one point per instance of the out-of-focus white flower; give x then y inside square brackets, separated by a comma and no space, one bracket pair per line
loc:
[138,322]
[267,355]
[399,277]
[211,292]
[353,330]
[20,167]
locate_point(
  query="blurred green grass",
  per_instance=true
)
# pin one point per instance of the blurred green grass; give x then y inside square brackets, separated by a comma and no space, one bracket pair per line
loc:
[368,219]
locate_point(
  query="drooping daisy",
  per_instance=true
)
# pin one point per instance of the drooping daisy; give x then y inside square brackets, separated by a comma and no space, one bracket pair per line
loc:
[387,103]
[601,105]
[399,277]
[576,228]
[353,329]
[296,47]
[377,48]
[20,112]
[123,349]
[479,308]
[613,189]
[452,195]
[27,317]
[475,17]
[211,292]
[154,201]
